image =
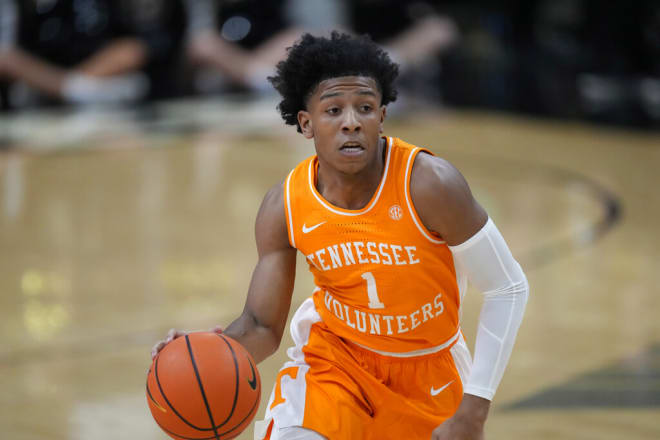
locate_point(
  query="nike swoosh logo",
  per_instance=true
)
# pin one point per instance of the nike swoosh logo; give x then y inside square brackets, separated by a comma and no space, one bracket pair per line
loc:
[253,382]
[435,392]
[307,230]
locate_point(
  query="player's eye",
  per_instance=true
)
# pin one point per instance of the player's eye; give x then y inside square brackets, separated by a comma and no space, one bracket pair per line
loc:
[365,108]
[332,110]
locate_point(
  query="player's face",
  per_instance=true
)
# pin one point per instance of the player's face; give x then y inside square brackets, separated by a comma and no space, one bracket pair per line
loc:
[345,118]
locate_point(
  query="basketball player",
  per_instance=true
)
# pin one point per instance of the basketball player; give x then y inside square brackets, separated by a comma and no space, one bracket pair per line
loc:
[391,234]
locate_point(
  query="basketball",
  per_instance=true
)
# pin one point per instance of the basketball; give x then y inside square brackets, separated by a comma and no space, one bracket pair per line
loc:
[203,386]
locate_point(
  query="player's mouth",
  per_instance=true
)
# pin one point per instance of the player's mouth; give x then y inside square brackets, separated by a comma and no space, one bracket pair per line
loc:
[351,148]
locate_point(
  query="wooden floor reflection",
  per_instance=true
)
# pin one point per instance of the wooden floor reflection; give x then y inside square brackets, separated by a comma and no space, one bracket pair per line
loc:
[107,245]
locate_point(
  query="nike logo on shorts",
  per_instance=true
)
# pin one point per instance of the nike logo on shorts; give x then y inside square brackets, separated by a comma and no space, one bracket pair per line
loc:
[435,392]
[311,228]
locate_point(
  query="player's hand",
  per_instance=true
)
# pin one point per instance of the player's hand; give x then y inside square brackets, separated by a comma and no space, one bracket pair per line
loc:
[172,335]
[467,423]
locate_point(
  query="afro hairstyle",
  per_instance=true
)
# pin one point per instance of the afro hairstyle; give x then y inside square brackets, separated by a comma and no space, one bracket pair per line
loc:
[314,59]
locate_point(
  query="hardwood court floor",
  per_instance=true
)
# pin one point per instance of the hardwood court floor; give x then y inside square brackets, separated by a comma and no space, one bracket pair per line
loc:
[109,240]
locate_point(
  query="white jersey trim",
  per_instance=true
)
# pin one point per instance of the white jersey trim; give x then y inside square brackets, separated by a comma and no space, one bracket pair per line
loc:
[414,353]
[373,202]
[291,412]
[288,207]
[409,202]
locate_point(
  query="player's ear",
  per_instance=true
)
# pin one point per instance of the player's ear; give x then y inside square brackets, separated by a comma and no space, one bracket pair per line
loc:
[383,114]
[305,122]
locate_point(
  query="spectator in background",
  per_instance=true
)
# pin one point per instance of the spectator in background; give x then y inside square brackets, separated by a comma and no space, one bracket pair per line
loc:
[244,39]
[91,51]
[414,33]
[83,51]
[238,43]
[8,15]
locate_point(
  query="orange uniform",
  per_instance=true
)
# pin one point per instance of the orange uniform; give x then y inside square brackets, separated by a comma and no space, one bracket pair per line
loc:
[379,353]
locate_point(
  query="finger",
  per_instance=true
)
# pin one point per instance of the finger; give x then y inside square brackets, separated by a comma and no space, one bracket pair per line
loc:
[217,329]
[172,335]
[160,346]
[156,348]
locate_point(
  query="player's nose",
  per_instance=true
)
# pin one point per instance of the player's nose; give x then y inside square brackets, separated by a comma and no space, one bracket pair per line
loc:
[351,122]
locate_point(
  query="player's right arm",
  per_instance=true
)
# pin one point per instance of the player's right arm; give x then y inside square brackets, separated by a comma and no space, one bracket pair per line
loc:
[261,325]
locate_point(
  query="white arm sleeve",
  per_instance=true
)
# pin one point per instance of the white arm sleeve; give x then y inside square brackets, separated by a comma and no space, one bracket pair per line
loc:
[487,261]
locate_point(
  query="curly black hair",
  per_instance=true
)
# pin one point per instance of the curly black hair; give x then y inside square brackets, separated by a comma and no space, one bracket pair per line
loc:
[315,59]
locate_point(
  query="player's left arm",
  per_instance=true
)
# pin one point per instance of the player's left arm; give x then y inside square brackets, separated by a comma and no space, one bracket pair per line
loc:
[446,206]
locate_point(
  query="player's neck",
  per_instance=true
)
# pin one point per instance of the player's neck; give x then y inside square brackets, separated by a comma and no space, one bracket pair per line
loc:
[351,191]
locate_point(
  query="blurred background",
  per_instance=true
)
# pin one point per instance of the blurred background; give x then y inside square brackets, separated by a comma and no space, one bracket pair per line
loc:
[570,59]
[138,137]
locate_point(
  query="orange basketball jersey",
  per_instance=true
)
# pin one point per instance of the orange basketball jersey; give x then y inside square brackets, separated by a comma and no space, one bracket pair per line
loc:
[382,279]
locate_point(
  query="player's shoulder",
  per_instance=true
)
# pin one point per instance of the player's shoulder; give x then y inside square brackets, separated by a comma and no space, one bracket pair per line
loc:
[443,200]
[272,204]
[436,176]
[270,226]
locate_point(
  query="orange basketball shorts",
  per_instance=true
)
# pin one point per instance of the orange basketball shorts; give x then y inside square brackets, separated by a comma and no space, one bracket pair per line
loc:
[344,391]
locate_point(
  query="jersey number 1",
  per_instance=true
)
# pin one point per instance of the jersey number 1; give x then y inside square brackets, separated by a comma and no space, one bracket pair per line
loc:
[372,292]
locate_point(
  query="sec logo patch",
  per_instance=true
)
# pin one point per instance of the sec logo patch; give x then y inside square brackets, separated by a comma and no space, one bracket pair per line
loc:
[396,212]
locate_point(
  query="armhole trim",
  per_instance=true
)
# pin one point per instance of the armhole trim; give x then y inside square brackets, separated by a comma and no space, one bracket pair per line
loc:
[413,213]
[287,211]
